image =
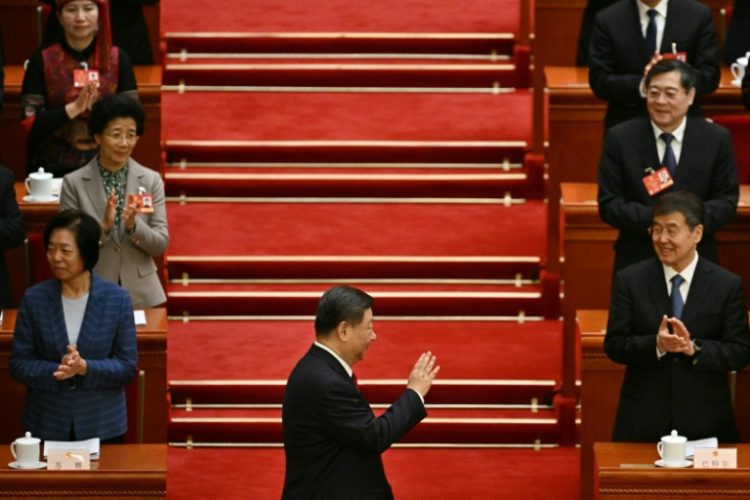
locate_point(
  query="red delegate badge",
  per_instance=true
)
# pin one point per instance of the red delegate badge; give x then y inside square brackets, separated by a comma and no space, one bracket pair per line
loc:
[658,181]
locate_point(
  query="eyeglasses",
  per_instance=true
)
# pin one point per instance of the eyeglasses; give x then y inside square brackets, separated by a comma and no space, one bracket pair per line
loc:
[118,137]
[658,231]
[669,94]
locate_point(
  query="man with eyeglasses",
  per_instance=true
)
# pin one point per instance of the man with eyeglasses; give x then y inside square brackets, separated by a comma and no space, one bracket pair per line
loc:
[631,35]
[679,323]
[644,158]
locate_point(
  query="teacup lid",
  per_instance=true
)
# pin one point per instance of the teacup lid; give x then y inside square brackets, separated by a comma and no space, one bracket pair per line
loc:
[674,438]
[27,439]
[40,174]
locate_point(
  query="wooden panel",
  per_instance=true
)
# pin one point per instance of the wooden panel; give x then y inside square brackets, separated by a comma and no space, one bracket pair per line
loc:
[19,23]
[625,471]
[13,145]
[152,354]
[123,472]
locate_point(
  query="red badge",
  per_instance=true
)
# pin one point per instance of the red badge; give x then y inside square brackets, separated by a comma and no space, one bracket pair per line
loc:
[656,182]
[144,203]
[81,77]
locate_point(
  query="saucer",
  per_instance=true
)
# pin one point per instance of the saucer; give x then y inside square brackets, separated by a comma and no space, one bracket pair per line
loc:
[684,463]
[39,465]
[41,199]
[736,83]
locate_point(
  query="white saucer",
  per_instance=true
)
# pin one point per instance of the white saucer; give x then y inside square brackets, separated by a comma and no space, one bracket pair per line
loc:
[736,83]
[39,465]
[41,199]
[685,463]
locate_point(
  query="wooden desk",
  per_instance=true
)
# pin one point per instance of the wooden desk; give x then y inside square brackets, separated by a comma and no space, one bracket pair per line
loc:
[152,358]
[626,471]
[601,380]
[125,471]
[13,137]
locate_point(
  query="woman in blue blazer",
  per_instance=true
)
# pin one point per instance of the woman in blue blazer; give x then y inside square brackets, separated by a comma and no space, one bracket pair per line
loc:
[74,345]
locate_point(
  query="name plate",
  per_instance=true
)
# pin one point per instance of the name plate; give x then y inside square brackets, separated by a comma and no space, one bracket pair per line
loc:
[717,458]
[68,460]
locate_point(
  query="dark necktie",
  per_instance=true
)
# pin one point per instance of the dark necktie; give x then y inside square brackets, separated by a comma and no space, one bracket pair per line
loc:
[651,32]
[677,302]
[669,160]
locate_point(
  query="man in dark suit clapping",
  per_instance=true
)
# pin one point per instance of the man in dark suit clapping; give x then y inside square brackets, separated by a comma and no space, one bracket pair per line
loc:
[332,439]
[679,323]
[631,35]
[644,158]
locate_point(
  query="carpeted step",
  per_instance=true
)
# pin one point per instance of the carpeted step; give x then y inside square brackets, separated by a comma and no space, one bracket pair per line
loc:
[350,72]
[503,363]
[345,22]
[442,425]
[224,179]
[462,473]
[318,126]
[382,240]
[418,299]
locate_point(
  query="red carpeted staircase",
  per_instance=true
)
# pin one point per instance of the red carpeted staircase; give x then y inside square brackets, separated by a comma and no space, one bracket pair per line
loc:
[344,145]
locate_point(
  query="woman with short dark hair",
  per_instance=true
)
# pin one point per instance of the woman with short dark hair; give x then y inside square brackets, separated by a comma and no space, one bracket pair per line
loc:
[74,344]
[126,198]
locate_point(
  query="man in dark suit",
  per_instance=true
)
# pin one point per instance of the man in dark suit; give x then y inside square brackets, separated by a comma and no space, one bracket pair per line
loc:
[12,230]
[746,90]
[696,155]
[587,24]
[631,35]
[332,439]
[737,43]
[680,324]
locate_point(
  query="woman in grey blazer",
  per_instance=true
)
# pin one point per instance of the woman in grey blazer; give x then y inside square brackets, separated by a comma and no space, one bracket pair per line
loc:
[126,198]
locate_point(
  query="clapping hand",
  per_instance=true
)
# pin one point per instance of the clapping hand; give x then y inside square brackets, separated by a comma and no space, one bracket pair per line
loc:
[72,364]
[678,341]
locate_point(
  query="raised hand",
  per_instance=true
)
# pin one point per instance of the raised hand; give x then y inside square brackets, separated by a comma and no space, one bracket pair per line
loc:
[424,372]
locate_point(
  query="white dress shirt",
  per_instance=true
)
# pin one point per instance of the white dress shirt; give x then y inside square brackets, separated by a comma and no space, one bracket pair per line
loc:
[678,134]
[660,20]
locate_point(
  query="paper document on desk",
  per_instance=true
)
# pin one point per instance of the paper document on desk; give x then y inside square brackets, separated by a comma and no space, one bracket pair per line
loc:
[140,317]
[690,446]
[87,444]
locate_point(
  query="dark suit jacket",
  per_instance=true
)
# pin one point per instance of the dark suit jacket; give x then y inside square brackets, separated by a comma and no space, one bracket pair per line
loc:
[94,404]
[618,54]
[737,43]
[12,230]
[587,25]
[332,439]
[746,91]
[707,169]
[690,395]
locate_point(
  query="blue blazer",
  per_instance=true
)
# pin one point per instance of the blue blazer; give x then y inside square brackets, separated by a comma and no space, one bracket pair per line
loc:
[93,404]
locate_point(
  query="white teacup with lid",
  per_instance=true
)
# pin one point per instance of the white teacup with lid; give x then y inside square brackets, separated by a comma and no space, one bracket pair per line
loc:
[26,451]
[39,184]
[671,449]
[739,68]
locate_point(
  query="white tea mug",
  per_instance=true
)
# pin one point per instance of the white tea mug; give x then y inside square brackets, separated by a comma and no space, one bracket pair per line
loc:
[26,451]
[672,449]
[39,184]
[740,67]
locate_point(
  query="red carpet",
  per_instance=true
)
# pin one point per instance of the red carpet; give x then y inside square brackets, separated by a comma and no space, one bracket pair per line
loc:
[352,116]
[372,228]
[407,16]
[269,349]
[418,474]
